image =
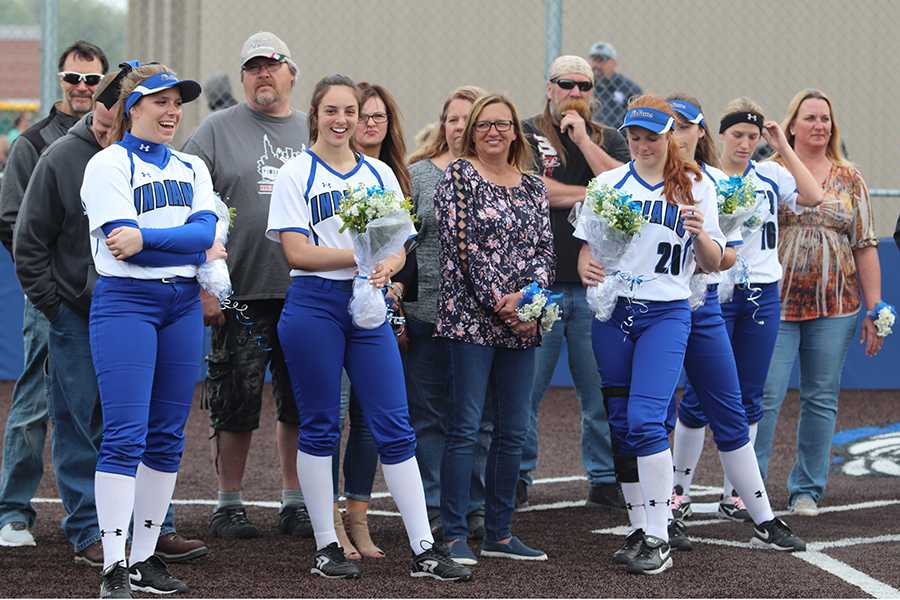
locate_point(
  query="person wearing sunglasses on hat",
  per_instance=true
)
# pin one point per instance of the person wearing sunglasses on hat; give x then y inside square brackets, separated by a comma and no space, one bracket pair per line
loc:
[151,217]
[640,369]
[570,149]
[26,426]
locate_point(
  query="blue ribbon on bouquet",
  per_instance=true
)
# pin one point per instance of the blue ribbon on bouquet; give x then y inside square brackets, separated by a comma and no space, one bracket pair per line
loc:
[744,283]
[632,281]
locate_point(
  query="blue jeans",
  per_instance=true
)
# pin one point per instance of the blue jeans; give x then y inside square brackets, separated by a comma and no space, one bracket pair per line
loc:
[509,375]
[428,390]
[822,346]
[575,327]
[26,425]
[360,456]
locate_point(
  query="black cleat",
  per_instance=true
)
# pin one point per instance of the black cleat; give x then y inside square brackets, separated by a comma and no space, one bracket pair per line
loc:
[437,564]
[152,575]
[294,520]
[114,581]
[331,563]
[776,535]
[654,557]
[632,546]
[678,538]
[232,522]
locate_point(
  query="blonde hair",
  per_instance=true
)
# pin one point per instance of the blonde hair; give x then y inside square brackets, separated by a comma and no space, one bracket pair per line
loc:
[742,104]
[520,155]
[129,83]
[833,151]
[436,142]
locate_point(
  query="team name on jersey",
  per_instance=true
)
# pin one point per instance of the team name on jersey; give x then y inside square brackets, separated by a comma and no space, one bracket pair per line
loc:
[664,213]
[159,194]
[325,205]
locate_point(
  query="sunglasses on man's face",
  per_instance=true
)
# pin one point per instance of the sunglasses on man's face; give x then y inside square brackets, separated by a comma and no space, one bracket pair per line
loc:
[568,84]
[73,78]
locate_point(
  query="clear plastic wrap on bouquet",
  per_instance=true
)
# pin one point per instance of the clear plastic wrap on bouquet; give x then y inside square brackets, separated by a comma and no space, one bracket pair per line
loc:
[382,238]
[698,284]
[739,274]
[213,276]
[730,223]
[608,247]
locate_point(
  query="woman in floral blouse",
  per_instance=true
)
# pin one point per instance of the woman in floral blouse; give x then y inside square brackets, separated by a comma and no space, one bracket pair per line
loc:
[494,226]
[829,256]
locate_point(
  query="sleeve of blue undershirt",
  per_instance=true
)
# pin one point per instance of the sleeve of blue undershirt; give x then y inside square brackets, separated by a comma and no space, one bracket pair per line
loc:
[196,235]
[152,257]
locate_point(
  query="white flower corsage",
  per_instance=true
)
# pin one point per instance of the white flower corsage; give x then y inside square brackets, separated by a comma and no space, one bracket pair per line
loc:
[883,316]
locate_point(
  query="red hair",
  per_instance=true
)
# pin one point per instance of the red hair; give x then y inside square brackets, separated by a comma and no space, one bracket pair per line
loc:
[676,172]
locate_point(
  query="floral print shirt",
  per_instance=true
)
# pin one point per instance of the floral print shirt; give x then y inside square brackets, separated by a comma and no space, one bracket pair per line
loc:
[495,240]
[816,249]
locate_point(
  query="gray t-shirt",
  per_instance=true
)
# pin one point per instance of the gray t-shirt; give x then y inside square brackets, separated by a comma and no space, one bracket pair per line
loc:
[425,178]
[244,150]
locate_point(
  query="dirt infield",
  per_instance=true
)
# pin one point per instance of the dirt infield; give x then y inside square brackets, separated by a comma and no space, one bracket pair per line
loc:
[853,543]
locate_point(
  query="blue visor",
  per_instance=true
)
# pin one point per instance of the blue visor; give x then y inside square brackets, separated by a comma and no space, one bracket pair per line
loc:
[649,118]
[687,110]
[162,81]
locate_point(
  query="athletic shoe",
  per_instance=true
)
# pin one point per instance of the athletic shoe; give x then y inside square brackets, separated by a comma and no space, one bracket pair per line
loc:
[733,508]
[804,506]
[476,526]
[605,495]
[437,563]
[461,553]
[331,563]
[16,534]
[114,581]
[655,556]
[294,520]
[232,522]
[91,556]
[521,494]
[626,553]
[681,504]
[152,575]
[678,538]
[776,535]
[513,549]
[174,548]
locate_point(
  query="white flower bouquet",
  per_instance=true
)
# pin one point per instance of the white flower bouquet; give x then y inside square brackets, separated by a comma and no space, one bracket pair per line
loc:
[541,304]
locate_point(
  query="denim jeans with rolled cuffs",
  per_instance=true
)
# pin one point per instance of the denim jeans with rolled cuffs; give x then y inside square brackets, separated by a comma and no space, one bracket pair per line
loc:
[821,345]
[575,329]
[428,382]
[508,375]
[26,425]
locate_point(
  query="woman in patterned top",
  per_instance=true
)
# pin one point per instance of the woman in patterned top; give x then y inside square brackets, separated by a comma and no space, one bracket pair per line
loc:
[494,225]
[828,253]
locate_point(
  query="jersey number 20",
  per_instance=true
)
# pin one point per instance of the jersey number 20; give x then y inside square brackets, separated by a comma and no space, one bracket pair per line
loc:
[669,258]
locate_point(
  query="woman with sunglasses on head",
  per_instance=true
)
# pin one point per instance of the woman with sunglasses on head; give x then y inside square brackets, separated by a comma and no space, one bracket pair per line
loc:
[752,316]
[320,339]
[713,393]
[427,360]
[151,214]
[494,226]
[640,370]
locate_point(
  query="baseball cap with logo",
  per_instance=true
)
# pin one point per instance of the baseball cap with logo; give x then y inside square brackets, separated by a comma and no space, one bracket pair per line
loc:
[603,50]
[268,45]
[189,89]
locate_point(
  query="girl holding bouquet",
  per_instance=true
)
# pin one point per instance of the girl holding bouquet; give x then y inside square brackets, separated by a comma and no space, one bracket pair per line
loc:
[752,316]
[322,338]
[494,226]
[713,393]
[640,349]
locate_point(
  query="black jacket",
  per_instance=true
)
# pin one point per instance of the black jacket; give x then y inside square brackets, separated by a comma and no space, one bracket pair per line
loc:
[52,245]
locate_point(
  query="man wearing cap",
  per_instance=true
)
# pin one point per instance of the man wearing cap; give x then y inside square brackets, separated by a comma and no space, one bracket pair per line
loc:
[81,66]
[612,90]
[570,150]
[244,147]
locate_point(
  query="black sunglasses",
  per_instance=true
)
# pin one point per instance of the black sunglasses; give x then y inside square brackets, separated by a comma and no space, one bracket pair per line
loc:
[73,78]
[568,84]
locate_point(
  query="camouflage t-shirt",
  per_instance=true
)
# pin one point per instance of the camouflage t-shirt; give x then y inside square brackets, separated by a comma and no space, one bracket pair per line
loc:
[244,150]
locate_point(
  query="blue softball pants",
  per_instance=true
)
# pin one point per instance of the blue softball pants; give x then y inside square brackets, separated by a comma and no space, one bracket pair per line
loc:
[641,348]
[146,342]
[319,340]
[713,393]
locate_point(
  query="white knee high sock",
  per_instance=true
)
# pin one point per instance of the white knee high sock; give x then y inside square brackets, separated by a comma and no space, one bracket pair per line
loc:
[314,473]
[634,504]
[405,484]
[655,473]
[728,486]
[114,497]
[152,494]
[743,470]
[686,454]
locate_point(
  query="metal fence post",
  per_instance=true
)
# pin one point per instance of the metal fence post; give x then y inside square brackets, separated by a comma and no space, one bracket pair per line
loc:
[49,33]
[552,32]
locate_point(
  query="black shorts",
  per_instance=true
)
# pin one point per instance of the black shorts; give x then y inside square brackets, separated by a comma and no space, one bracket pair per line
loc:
[237,369]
